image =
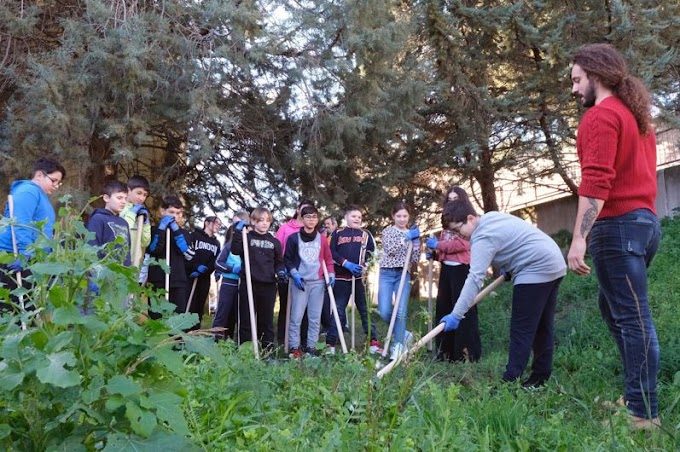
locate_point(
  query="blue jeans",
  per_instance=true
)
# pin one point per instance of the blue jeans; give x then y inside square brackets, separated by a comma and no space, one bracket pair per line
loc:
[388,286]
[343,292]
[622,248]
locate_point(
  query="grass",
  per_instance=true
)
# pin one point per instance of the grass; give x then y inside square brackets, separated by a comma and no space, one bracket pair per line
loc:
[336,402]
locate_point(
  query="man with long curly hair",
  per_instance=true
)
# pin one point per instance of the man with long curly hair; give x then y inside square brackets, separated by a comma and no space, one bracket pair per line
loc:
[617,152]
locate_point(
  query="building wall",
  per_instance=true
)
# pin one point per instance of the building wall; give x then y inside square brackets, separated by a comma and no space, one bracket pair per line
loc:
[553,216]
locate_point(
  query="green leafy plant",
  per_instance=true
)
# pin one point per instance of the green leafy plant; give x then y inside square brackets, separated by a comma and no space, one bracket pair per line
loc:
[108,379]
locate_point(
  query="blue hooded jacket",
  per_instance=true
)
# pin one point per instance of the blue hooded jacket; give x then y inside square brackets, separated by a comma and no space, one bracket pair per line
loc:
[31,205]
[107,227]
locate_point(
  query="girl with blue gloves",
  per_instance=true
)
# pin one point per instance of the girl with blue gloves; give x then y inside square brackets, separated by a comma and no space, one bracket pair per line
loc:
[395,242]
[453,252]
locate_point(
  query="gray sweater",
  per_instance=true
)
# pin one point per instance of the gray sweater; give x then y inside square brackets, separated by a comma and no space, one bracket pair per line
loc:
[511,244]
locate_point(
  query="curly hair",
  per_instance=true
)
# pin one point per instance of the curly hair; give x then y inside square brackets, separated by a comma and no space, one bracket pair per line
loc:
[606,64]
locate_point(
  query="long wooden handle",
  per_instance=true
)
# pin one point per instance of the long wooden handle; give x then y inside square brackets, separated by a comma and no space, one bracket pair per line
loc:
[249,286]
[137,251]
[438,329]
[15,248]
[397,302]
[354,308]
[430,277]
[191,295]
[167,262]
[334,308]
[286,334]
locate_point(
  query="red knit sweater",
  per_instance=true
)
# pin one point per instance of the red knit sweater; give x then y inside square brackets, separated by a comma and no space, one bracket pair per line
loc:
[618,165]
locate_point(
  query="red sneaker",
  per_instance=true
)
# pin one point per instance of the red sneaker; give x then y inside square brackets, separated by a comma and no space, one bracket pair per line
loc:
[294,353]
[375,347]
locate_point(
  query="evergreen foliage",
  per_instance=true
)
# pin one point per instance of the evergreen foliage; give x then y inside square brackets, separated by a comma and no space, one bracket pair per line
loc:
[238,103]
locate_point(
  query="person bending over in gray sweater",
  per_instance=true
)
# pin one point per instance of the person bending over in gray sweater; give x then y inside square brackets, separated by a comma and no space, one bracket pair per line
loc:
[537,267]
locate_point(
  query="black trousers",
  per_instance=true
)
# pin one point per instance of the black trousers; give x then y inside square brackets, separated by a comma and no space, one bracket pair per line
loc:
[227,309]
[532,329]
[464,343]
[281,324]
[264,298]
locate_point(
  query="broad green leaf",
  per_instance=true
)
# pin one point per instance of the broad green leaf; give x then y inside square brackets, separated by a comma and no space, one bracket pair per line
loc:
[93,392]
[180,322]
[10,346]
[59,341]
[205,347]
[159,441]
[53,371]
[5,430]
[114,402]
[123,385]
[58,296]
[67,316]
[50,268]
[168,408]
[72,443]
[10,376]
[170,359]
[142,421]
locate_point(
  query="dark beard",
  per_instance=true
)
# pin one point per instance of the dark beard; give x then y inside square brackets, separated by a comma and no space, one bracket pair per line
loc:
[589,96]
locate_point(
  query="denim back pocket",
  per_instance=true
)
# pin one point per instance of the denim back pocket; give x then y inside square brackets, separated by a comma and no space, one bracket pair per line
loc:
[636,235]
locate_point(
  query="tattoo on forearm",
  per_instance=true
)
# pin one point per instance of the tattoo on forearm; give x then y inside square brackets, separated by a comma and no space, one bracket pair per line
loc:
[589,217]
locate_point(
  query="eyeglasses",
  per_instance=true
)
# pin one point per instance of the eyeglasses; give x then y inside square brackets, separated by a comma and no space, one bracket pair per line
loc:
[55,182]
[456,229]
[310,216]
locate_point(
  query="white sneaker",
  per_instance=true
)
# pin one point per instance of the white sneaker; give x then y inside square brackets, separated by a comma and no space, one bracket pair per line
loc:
[397,351]
[329,350]
[408,339]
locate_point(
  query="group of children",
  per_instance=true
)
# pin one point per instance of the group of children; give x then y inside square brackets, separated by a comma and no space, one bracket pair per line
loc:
[306,265]
[191,255]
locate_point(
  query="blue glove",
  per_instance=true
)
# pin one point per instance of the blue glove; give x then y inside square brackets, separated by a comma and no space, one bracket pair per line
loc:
[240,225]
[506,275]
[282,276]
[166,221]
[298,281]
[450,322]
[236,269]
[331,279]
[429,255]
[432,242]
[181,243]
[413,233]
[355,269]
[199,271]
[139,209]
[15,266]
[92,287]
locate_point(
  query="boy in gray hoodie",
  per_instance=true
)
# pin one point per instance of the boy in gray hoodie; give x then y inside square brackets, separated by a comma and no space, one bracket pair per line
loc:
[537,267]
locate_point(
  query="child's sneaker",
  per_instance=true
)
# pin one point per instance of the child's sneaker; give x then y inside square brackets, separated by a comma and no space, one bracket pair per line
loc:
[408,339]
[329,350]
[313,352]
[397,351]
[375,347]
[294,353]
